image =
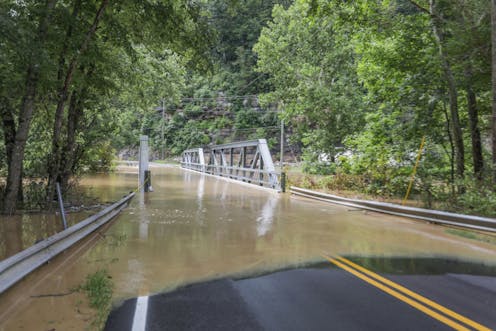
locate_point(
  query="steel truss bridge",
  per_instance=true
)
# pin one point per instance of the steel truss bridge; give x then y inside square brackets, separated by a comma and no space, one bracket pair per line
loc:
[247,161]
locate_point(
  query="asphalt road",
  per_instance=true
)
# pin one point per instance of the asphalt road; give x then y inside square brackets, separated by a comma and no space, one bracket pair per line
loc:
[320,298]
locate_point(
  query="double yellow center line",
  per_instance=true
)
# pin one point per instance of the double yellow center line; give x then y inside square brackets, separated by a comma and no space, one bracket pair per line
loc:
[415,300]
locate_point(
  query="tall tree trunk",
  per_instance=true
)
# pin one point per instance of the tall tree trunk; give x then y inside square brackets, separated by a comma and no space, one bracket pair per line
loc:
[14,176]
[475,135]
[54,163]
[451,153]
[9,127]
[493,62]
[68,35]
[69,151]
[9,134]
[60,77]
[453,93]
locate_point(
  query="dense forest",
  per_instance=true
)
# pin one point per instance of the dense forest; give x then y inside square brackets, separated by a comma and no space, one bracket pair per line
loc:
[364,88]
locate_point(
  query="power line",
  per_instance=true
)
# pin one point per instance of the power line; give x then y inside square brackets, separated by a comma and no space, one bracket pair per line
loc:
[233,97]
[250,129]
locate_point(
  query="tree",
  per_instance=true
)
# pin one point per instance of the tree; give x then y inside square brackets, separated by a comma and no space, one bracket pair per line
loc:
[452,90]
[311,66]
[61,68]
[16,137]
[493,63]
[56,153]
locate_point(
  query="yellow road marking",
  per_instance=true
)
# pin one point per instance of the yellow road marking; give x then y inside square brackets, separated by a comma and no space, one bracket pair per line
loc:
[400,296]
[416,296]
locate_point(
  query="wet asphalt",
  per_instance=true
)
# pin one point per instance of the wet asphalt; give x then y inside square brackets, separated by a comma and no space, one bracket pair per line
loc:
[313,298]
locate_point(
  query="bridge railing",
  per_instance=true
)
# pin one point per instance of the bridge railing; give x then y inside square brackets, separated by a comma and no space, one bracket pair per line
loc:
[193,159]
[247,161]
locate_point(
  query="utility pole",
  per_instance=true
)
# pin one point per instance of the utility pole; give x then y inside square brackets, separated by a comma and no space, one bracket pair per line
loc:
[162,129]
[282,144]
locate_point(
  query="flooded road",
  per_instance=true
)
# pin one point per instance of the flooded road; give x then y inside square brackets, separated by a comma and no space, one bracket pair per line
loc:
[195,227]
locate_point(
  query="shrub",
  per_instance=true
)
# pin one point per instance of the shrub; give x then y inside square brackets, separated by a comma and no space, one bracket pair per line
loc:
[476,200]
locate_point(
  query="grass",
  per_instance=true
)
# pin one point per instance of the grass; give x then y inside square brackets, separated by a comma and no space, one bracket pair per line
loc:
[473,235]
[317,183]
[98,288]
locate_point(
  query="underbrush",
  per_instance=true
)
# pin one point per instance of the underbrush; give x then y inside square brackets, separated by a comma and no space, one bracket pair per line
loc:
[478,199]
[34,196]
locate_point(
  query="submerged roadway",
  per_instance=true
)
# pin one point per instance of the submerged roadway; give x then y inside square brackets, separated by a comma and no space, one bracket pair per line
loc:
[340,295]
[201,253]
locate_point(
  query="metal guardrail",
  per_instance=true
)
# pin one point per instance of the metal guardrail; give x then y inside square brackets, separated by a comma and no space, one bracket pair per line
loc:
[16,267]
[429,215]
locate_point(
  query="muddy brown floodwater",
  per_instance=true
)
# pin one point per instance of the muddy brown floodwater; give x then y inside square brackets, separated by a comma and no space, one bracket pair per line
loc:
[19,232]
[195,227]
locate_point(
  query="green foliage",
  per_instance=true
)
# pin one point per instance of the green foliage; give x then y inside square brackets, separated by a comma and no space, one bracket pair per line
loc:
[310,63]
[312,164]
[99,158]
[87,82]
[247,118]
[477,199]
[358,83]
[98,288]
[238,25]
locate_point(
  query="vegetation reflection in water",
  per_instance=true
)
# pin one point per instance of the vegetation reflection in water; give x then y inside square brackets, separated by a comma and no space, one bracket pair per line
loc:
[194,228]
[18,232]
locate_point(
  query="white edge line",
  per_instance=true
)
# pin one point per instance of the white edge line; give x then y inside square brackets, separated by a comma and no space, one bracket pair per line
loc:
[139,320]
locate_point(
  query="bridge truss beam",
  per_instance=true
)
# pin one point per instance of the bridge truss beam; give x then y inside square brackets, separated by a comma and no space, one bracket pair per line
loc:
[247,161]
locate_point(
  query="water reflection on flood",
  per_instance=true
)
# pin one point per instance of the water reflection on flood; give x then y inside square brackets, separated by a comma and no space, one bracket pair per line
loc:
[264,221]
[19,232]
[195,227]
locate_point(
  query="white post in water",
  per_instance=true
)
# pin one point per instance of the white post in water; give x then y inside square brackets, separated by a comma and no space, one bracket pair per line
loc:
[143,162]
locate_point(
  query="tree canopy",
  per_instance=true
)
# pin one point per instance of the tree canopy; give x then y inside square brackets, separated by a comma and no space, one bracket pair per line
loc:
[359,84]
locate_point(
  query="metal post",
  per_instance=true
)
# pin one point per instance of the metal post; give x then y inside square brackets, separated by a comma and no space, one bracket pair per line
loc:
[148,181]
[61,205]
[143,162]
[283,182]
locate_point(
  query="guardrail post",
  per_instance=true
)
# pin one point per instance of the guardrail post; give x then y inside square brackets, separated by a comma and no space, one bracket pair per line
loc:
[61,205]
[283,182]
[148,181]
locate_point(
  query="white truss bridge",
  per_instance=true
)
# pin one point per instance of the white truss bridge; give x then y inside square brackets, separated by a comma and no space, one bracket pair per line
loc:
[247,161]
